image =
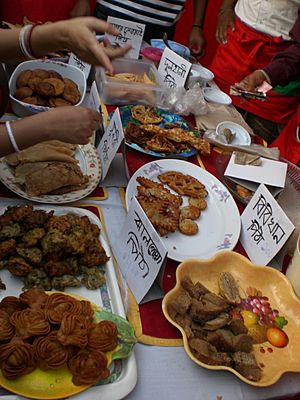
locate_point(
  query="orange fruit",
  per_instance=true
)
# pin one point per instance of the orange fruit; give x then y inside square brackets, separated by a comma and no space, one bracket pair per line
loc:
[258,333]
[277,337]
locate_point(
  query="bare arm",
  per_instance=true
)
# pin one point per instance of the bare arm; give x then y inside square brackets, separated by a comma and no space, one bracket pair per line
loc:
[77,35]
[196,38]
[225,20]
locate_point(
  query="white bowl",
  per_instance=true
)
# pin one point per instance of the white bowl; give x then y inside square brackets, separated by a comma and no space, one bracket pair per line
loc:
[216,96]
[200,73]
[65,70]
[241,137]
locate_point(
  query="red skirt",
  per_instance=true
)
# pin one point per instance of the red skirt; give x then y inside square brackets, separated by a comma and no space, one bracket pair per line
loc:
[246,51]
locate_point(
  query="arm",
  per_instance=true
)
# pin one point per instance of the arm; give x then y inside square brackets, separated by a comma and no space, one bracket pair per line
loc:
[68,124]
[225,20]
[196,38]
[77,35]
[81,8]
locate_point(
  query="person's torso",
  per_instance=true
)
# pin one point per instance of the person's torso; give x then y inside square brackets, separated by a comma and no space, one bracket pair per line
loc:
[156,12]
[273,17]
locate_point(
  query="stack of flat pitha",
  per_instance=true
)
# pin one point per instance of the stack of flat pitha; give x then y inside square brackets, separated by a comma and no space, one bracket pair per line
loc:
[48,168]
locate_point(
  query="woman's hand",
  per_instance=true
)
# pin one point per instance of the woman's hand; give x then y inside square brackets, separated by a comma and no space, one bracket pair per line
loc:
[197,41]
[225,20]
[252,81]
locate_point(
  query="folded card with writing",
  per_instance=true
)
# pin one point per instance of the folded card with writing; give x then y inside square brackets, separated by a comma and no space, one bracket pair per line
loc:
[270,172]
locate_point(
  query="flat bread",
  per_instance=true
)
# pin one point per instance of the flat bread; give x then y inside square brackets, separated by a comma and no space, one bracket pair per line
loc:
[53,177]
[23,169]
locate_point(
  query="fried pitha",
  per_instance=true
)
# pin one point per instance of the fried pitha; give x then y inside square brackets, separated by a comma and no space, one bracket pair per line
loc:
[145,115]
[182,183]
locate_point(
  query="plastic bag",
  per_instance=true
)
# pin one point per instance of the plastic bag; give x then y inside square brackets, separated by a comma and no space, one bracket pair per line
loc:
[184,102]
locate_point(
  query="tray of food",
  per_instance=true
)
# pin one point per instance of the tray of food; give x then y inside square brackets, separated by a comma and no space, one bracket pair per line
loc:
[188,206]
[52,172]
[161,133]
[62,248]
[231,321]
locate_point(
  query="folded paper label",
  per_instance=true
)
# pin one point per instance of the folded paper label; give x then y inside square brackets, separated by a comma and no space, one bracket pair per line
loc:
[173,69]
[83,66]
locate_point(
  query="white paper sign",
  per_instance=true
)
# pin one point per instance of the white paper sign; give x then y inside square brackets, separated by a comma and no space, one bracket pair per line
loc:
[265,227]
[130,32]
[140,253]
[110,142]
[94,101]
[83,66]
[173,69]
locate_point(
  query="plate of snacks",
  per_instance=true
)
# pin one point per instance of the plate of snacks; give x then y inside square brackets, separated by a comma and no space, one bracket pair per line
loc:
[228,324]
[67,251]
[52,172]
[192,210]
[161,133]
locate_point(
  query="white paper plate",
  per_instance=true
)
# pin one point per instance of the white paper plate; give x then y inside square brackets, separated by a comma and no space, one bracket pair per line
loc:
[89,163]
[216,96]
[219,225]
[241,137]
[198,72]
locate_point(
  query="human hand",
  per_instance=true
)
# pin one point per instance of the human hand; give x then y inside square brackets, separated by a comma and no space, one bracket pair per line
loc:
[197,42]
[69,124]
[225,20]
[79,37]
[252,81]
[80,9]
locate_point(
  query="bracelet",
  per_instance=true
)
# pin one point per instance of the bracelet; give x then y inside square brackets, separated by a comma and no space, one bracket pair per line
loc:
[197,26]
[23,42]
[11,136]
[29,39]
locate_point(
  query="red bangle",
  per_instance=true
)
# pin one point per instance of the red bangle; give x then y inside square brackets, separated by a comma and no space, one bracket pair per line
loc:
[29,40]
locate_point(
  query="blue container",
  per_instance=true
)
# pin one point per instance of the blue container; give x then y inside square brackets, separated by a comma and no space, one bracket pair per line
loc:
[178,48]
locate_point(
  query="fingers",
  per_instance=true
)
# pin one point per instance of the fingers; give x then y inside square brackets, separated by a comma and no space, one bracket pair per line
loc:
[100,26]
[115,52]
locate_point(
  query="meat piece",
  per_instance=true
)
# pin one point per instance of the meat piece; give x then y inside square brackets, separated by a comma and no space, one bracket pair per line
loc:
[194,290]
[246,365]
[206,353]
[185,322]
[215,299]
[229,288]
[224,340]
[204,310]
[198,331]
[218,322]
[237,326]
[182,303]
[243,343]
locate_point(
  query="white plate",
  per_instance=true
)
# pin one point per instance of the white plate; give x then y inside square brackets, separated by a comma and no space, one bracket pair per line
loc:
[198,72]
[90,165]
[216,96]
[219,225]
[242,137]
[124,376]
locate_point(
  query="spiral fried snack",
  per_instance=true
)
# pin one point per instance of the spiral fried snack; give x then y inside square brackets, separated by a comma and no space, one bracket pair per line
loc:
[6,328]
[10,304]
[49,352]
[88,367]
[59,304]
[29,322]
[86,310]
[16,359]
[34,298]
[73,331]
[104,336]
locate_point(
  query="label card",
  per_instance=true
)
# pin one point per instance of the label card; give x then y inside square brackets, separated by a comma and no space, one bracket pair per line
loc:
[140,253]
[83,66]
[110,142]
[93,100]
[173,69]
[265,227]
[130,32]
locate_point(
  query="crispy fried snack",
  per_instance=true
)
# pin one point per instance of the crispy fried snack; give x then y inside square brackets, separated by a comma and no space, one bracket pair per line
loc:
[30,322]
[34,298]
[58,102]
[59,304]
[6,328]
[71,92]
[160,144]
[182,184]
[145,115]
[58,85]
[49,352]
[88,367]
[10,304]
[104,336]
[190,212]
[198,202]
[23,78]
[150,188]
[188,227]
[16,359]
[73,330]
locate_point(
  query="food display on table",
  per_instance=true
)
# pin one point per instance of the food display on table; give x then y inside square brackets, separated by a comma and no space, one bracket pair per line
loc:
[52,171]
[229,324]
[160,133]
[52,335]
[51,251]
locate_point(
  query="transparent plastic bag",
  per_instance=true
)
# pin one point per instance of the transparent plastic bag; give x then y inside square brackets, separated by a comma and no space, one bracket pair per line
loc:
[184,102]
